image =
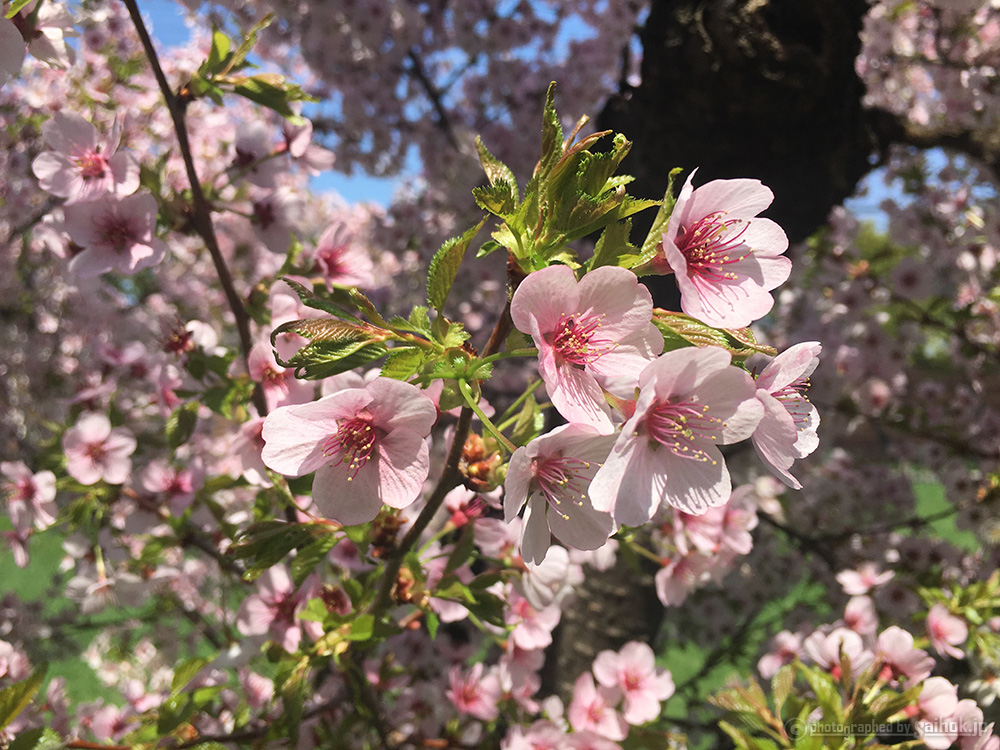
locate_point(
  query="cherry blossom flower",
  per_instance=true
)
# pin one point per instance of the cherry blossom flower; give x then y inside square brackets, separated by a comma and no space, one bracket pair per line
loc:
[725,260]
[937,702]
[474,693]
[53,23]
[551,474]
[788,429]
[901,659]
[825,650]
[341,261]
[946,631]
[116,235]
[95,450]
[274,609]
[30,497]
[541,735]
[595,328]
[786,647]
[280,386]
[366,446]
[864,579]
[253,150]
[689,399]
[12,50]
[81,167]
[633,671]
[592,708]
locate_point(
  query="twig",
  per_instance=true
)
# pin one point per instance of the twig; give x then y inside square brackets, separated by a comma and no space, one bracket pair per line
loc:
[201,211]
[434,95]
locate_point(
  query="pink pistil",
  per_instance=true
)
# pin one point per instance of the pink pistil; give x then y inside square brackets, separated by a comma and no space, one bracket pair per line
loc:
[355,442]
[574,340]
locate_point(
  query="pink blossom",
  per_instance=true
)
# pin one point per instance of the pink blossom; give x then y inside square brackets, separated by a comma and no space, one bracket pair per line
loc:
[946,631]
[280,386]
[860,615]
[274,609]
[541,735]
[901,659]
[864,579]
[587,740]
[973,732]
[177,484]
[596,328]
[826,649]
[95,451]
[689,399]
[725,260]
[341,260]
[633,671]
[53,24]
[786,647]
[253,154]
[12,49]
[532,628]
[82,167]
[473,693]
[937,702]
[276,214]
[592,708]
[552,474]
[788,428]
[116,235]
[366,446]
[30,497]
[679,576]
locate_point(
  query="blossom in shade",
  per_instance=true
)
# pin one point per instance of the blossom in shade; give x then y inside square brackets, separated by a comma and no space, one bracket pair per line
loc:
[786,647]
[633,671]
[689,400]
[725,260]
[592,708]
[30,497]
[788,428]
[946,631]
[551,474]
[12,49]
[366,446]
[81,165]
[95,450]
[826,650]
[474,693]
[274,609]
[595,328]
[116,234]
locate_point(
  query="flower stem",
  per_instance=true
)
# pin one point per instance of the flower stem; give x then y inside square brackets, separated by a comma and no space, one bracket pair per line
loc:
[472,401]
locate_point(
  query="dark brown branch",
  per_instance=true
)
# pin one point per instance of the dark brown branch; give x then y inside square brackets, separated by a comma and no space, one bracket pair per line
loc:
[201,211]
[417,68]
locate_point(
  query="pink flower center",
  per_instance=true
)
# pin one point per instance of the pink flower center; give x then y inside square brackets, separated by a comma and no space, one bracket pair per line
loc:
[574,339]
[265,214]
[91,164]
[632,681]
[355,443]
[707,249]
[96,452]
[284,609]
[681,427]
[116,232]
[559,479]
[24,490]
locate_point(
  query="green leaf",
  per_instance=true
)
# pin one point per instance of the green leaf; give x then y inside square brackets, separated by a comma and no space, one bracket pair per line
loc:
[552,135]
[681,330]
[487,247]
[309,299]
[266,543]
[14,699]
[185,672]
[612,245]
[310,556]
[330,329]
[462,551]
[180,425]
[781,685]
[218,55]
[651,243]
[444,266]
[497,199]
[249,40]
[530,422]
[323,359]
[432,623]
[496,171]
[362,628]
[173,712]
[270,90]
[402,363]
[15,7]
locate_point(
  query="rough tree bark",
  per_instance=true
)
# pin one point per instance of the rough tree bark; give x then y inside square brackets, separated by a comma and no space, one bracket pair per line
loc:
[738,88]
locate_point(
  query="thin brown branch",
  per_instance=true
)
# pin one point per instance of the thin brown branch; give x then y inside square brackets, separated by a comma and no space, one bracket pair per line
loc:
[443,120]
[201,211]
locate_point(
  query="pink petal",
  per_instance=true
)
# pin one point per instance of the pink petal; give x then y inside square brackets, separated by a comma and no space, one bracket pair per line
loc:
[796,362]
[69,132]
[585,528]
[545,295]
[774,437]
[695,486]
[739,199]
[401,406]
[403,465]
[345,499]
[535,536]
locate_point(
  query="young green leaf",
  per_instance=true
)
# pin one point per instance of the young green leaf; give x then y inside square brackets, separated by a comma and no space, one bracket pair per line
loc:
[444,266]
